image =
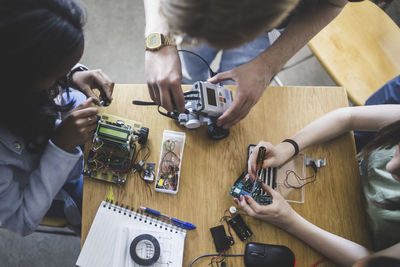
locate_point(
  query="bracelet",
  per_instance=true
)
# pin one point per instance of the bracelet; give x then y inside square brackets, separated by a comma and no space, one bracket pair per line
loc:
[70,83]
[295,145]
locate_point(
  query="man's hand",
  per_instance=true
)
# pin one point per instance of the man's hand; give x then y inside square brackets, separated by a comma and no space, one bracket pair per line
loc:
[279,213]
[77,128]
[251,79]
[164,75]
[88,80]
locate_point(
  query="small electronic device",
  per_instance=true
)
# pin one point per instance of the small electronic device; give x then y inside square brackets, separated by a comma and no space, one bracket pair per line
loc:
[113,148]
[104,101]
[204,103]
[260,255]
[207,101]
[149,172]
[221,240]
[168,174]
[245,186]
[240,227]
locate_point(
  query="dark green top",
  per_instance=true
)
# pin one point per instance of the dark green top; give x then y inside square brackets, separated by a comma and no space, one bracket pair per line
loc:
[378,185]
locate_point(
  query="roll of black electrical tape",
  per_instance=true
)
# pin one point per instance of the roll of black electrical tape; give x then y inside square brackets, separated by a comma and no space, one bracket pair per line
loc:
[145,250]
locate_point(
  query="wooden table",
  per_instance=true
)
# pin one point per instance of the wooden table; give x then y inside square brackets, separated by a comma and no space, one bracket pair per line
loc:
[359,49]
[209,168]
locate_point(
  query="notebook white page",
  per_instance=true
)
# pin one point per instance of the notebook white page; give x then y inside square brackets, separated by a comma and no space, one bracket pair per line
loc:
[113,230]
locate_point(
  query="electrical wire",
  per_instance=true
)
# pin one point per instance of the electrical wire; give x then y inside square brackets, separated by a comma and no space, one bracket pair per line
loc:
[146,156]
[299,180]
[319,262]
[215,259]
[212,73]
[214,255]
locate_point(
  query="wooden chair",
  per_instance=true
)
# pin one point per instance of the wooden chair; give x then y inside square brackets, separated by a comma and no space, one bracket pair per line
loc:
[54,222]
[51,225]
[360,49]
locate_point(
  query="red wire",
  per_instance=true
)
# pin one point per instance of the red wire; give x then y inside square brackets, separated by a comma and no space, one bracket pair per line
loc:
[288,185]
[319,261]
[217,257]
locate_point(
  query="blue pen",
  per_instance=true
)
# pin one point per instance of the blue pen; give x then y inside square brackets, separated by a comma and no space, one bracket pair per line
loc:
[175,221]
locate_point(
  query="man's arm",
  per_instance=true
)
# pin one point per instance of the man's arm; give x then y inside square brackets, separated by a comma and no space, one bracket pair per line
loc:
[154,22]
[300,30]
[252,78]
[163,67]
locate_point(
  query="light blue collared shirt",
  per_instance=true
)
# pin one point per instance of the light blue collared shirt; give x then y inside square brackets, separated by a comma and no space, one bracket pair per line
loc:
[30,181]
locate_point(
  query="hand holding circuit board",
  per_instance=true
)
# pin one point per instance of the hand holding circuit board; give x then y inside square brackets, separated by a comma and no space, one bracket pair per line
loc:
[245,186]
[251,195]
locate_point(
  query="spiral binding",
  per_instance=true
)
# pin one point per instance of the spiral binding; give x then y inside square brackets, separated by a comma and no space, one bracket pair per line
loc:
[159,223]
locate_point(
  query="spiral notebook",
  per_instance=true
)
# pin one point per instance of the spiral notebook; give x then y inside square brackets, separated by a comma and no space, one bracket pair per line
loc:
[115,229]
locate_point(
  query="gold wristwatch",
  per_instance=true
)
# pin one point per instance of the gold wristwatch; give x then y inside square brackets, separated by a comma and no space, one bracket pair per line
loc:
[156,41]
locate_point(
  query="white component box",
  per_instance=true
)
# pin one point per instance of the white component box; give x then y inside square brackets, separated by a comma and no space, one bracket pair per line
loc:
[169,167]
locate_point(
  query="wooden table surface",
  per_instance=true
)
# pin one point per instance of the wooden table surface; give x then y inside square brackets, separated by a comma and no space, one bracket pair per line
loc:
[359,49]
[209,168]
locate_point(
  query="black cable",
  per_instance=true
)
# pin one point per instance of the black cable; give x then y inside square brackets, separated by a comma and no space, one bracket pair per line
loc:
[143,103]
[166,114]
[190,93]
[192,98]
[212,73]
[214,255]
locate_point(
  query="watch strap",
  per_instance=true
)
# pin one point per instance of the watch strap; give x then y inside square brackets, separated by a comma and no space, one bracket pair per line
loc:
[76,68]
[166,40]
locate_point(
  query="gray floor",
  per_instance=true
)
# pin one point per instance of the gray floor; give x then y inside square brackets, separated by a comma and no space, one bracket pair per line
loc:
[114,43]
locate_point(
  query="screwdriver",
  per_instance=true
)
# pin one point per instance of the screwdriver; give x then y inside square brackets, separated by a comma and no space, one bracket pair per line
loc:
[260,160]
[259,164]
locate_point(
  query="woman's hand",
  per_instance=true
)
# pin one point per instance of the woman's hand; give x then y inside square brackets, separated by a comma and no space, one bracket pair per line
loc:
[275,156]
[88,80]
[279,213]
[77,128]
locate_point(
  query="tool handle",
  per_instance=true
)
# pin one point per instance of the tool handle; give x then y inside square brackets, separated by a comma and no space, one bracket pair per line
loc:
[262,151]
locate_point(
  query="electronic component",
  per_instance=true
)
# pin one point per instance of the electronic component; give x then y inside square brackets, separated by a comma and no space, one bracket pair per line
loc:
[245,186]
[204,103]
[232,210]
[104,101]
[168,173]
[221,240]
[240,227]
[149,172]
[113,148]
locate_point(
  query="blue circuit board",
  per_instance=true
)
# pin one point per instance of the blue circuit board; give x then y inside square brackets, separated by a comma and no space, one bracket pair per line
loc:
[245,186]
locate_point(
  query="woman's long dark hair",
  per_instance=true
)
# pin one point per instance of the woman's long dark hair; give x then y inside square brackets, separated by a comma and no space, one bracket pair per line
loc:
[386,138]
[36,37]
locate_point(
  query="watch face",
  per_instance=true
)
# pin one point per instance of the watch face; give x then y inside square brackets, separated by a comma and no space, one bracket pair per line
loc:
[153,41]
